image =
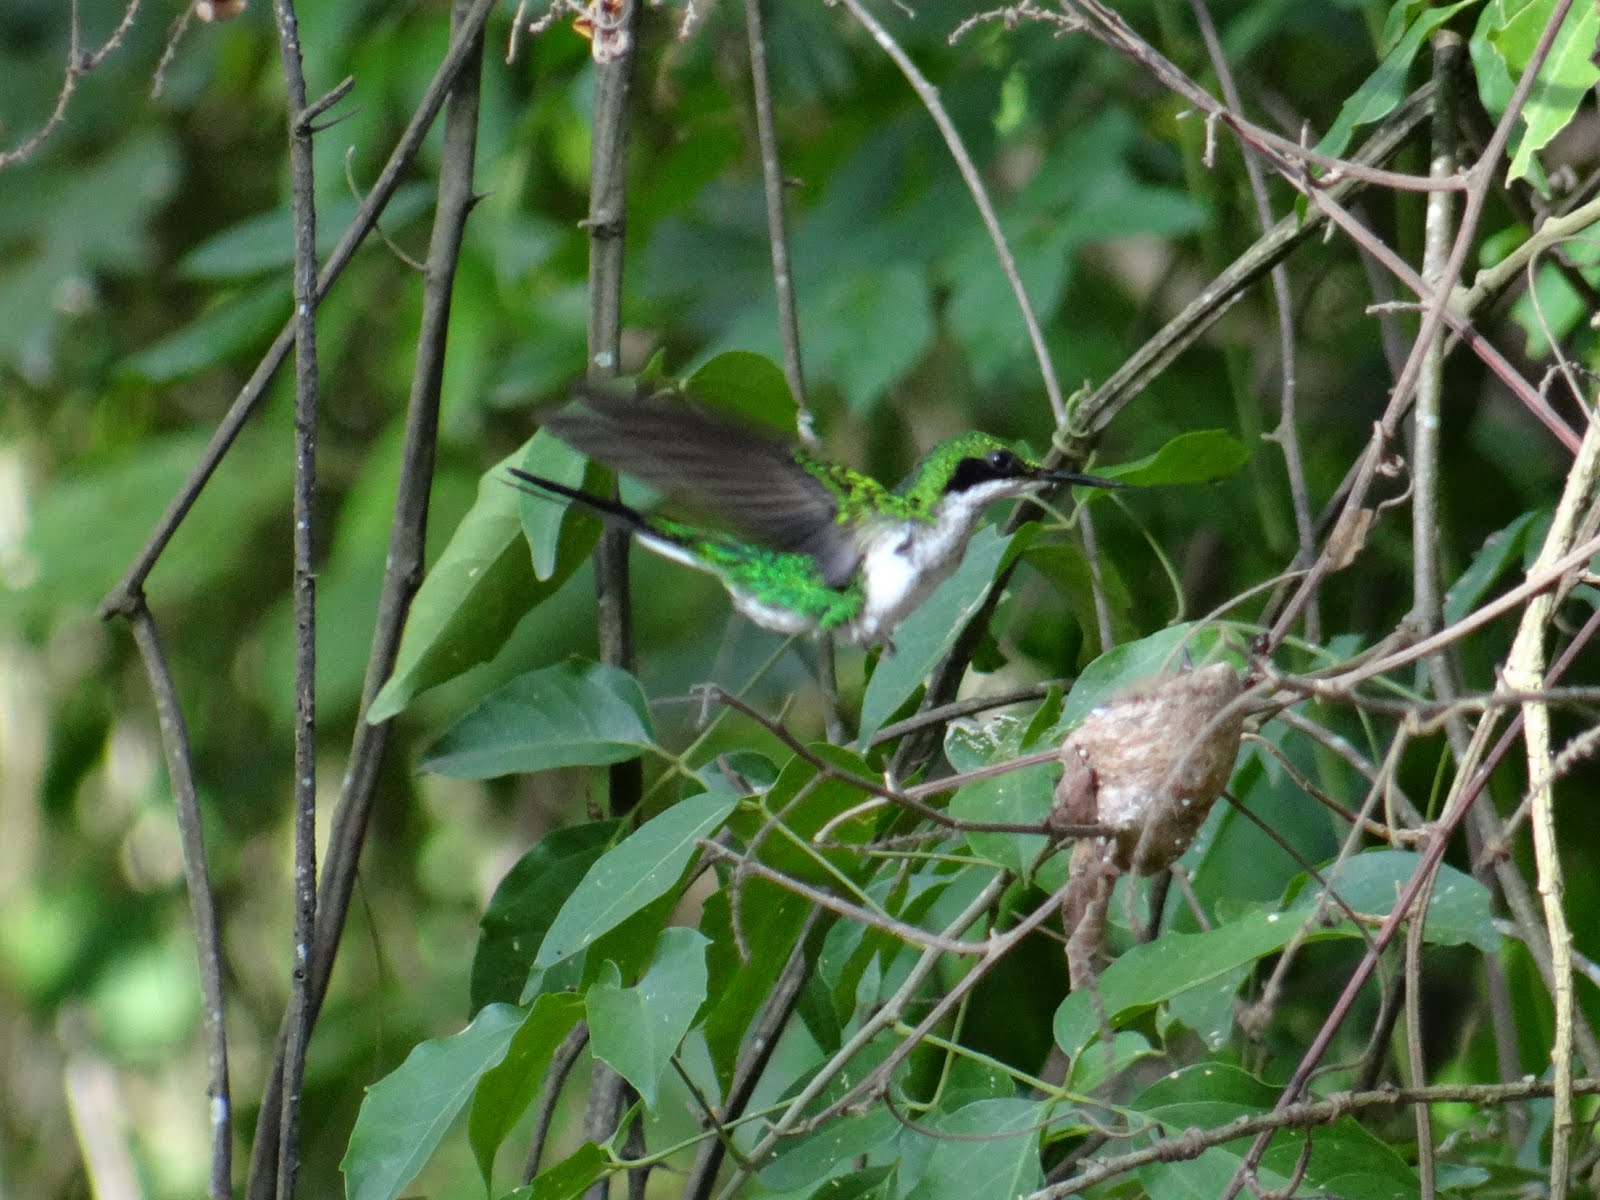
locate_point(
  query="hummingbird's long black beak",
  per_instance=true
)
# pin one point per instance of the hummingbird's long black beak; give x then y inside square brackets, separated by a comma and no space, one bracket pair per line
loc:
[1056,475]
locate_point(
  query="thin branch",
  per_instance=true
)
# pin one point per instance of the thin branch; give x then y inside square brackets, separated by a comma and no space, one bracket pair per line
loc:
[1575,513]
[1286,435]
[403,566]
[78,64]
[1192,1143]
[561,1064]
[614,41]
[301,1011]
[929,95]
[202,904]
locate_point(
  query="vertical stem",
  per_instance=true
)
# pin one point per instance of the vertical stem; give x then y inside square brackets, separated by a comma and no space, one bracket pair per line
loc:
[1447,52]
[615,33]
[301,1009]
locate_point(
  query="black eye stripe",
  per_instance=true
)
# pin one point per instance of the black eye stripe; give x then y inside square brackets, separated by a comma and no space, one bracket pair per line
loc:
[969,472]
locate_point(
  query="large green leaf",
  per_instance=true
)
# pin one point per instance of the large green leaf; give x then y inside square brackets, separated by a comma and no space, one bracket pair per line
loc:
[407,1112]
[1173,963]
[637,1030]
[1345,1159]
[1385,87]
[1129,666]
[576,714]
[1198,456]
[1021,797]
[1460,910]
[750,387]
[1499,550]
[506,1090]
[1564,80]
[991,1149]
[524,905]
[482,585]
[625,879]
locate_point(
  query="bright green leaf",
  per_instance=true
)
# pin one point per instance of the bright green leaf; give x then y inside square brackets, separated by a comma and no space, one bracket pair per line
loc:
[1565,78]
[407,1112]
[625,879]
[1199,456]
[637,1030]
[1383,90]
[577,714]
[568,1179]
[751,387]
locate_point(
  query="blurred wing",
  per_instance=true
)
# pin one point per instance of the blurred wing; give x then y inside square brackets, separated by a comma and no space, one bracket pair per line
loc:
[738,476]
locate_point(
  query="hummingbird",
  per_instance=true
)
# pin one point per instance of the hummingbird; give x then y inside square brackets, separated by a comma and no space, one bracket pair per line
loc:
[800,543]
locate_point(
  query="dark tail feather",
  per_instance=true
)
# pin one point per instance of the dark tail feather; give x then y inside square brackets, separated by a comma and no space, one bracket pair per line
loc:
[607,509]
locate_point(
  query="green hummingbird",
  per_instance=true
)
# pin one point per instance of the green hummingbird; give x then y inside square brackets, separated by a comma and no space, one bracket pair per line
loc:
[800,543]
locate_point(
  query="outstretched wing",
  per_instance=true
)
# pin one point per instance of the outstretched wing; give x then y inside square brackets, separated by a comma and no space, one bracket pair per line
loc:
[738,476]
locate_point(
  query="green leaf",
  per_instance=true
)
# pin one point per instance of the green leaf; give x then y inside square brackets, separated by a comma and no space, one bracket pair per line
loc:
[569,1178]
[577,714]
[1130,665]
[542,515]
[1022,797]
[625,879]
[1173,963]
[524,905]
[406,1113]
[977,1158]
[505,1091]
[929,632]
[1199,456]
[474,596]
[1211,1093]
[770,918]
[1383,90]
[809,1160]
[1460,910]
[1499,550]
[1564,79]
[750,387]
[637,1030]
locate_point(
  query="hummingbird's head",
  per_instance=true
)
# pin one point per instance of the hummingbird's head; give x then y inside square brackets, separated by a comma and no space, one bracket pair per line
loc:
[975,469]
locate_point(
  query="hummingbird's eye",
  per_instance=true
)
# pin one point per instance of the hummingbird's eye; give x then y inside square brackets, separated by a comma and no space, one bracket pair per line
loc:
[1002,460]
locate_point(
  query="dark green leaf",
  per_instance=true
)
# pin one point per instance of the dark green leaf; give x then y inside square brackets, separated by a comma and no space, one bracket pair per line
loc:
[1499,550]
[1019,797]
[808,1160]
[406,1113]
[505,1092]
[481,587]
[749,386]
[524,905]
[577,714]
[625,879]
